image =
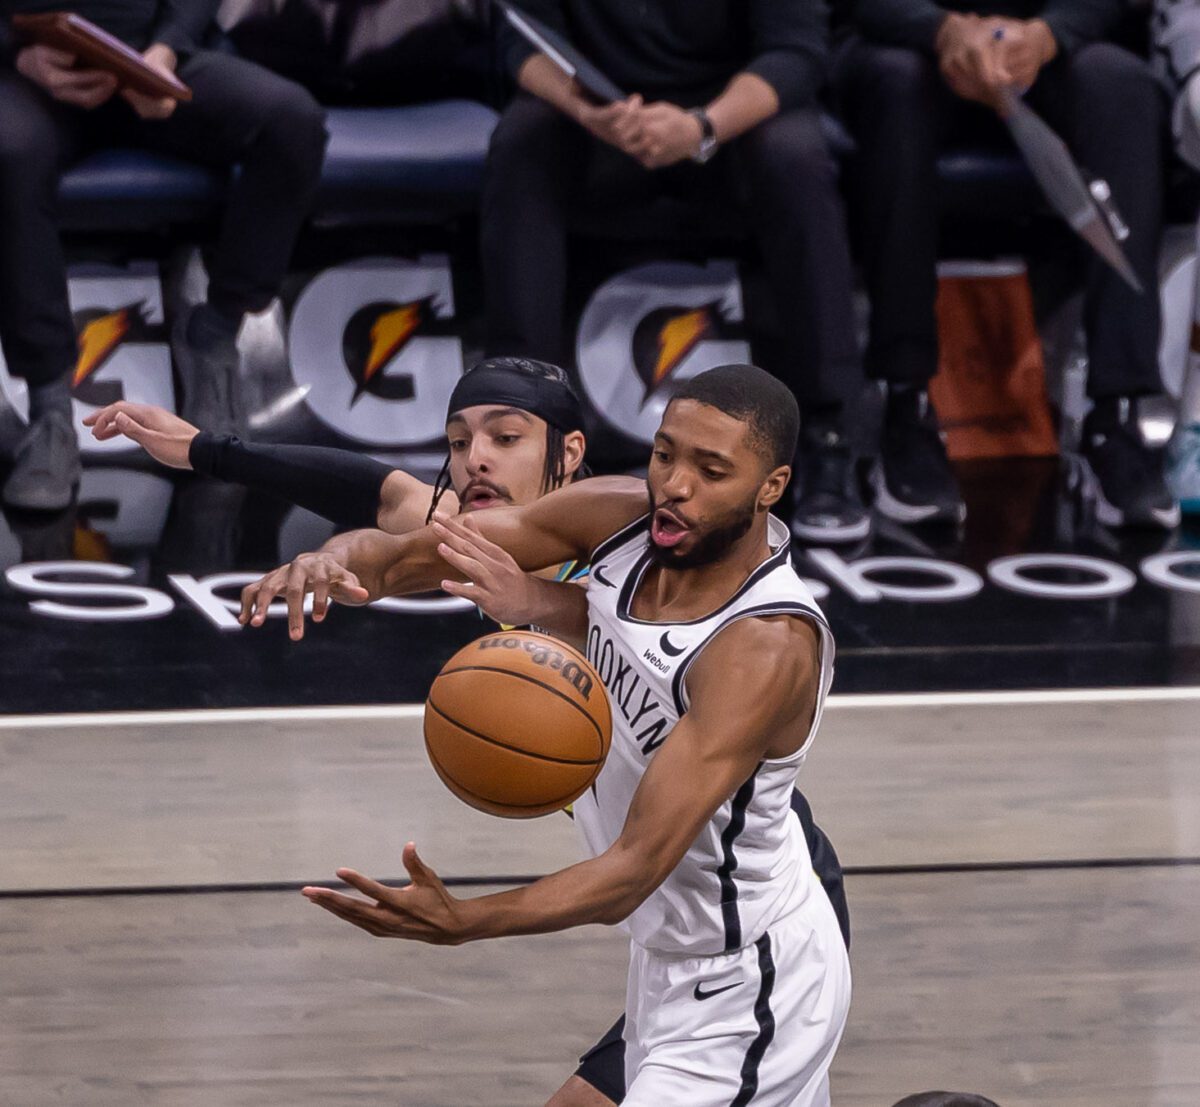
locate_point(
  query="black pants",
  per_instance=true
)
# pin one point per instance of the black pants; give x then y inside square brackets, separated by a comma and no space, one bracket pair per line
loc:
[240,114]
[1108,108]
[781,172]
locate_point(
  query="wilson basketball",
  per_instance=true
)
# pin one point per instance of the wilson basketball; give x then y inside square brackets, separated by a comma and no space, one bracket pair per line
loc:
[517,724]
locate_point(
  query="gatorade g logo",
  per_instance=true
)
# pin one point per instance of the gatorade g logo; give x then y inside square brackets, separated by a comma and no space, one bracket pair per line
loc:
[371,344]
[649,327]
[373,339]
[99,336]
[123,349]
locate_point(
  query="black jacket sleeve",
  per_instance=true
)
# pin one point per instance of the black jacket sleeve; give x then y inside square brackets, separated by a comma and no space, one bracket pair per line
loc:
[790,40]
[183,24]
[1075,23]
[912,23]
[339,485]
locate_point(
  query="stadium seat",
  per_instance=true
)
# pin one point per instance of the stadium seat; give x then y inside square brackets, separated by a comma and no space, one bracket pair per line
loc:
[404,164]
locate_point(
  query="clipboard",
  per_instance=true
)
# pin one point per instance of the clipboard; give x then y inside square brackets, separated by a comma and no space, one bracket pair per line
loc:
[97,49]
[562,54]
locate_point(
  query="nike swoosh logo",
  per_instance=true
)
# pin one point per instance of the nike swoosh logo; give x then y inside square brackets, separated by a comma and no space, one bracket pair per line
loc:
[667,648]
[716,991]
[598,575]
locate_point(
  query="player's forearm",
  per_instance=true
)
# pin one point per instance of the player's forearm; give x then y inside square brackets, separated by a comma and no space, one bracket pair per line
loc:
[340,485]
[561,609]
[543,79]
[746,102]
[604,890]
[390,565]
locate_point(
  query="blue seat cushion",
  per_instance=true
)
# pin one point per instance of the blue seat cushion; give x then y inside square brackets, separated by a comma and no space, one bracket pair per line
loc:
[426,156]
[408,162]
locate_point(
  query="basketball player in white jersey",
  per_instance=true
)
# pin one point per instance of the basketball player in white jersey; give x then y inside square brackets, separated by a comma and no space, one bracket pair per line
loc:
[717,663]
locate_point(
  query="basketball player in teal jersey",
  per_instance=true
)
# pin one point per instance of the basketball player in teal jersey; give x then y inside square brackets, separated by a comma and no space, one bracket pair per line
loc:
[739,981]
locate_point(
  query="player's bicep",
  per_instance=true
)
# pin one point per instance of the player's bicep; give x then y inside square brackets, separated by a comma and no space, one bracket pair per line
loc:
[754,682]
[404,503]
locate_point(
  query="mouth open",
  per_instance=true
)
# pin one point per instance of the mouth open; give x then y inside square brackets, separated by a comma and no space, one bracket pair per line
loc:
[666,530]
[481,497]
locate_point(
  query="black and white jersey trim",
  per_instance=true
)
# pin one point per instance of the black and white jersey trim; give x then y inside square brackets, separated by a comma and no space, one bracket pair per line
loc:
[615,541]
[678,689]
[729,863]
[634,579]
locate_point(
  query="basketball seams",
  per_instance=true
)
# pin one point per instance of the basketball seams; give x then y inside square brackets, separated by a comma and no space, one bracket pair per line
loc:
[504,745]
[541,684]
[528,810]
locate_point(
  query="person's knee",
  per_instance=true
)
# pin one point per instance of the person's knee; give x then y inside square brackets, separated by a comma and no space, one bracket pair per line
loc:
[27,151]
[1107,69]
[528,130]
[791,148]
[891,77]
[294,128]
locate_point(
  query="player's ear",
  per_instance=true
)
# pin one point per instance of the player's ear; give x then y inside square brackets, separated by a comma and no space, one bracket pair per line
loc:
[574,447]
[773,487]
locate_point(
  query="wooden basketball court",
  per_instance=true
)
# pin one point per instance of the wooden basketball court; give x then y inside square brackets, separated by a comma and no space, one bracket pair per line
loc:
[1024,883]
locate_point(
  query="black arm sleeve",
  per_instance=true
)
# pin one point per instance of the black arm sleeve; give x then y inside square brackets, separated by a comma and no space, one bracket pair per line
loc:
[183,24]
[337,484]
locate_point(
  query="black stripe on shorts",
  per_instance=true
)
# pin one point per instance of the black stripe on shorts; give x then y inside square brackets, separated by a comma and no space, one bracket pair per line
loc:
[766,1024]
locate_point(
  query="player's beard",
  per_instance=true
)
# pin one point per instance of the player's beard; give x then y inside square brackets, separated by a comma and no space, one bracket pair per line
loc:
[710,545]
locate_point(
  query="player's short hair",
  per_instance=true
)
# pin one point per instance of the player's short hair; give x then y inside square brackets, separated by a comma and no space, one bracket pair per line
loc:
[752,396]
[945,1099]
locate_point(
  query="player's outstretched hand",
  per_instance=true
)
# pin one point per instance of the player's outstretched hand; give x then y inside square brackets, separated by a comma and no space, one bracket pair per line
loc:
[422,912]
[495,582]
[318,573]
[165,437]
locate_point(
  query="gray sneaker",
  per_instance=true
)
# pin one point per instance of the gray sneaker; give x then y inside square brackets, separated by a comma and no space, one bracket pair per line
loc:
[212,398]
[46,468]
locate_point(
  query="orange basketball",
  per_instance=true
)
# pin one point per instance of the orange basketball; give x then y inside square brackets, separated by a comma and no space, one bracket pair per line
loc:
[517,724]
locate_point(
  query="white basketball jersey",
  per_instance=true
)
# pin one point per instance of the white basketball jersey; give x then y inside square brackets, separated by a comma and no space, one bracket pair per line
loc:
[750,865]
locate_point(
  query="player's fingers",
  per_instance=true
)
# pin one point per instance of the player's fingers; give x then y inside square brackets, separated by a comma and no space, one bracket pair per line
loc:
[350,915]
[320,600]
[464,589]
[417,869]
[298,586]
[366,885]
[470,567]
[483,548]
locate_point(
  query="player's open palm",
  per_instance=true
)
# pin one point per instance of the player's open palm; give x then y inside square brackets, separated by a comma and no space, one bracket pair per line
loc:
[495,582]
[424,911]
[163,435]
[54,70]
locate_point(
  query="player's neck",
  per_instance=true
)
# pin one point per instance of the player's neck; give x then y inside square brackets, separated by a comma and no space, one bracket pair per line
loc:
[678,595]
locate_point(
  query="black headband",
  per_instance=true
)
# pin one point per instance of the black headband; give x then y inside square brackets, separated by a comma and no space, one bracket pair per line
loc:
[544,397]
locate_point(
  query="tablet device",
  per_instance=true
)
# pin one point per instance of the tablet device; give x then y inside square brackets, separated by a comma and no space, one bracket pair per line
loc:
[97,49]
[562,54]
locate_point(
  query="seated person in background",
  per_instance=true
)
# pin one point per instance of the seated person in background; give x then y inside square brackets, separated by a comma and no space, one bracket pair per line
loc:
[916,71]
[50,115]
[722,93]
[1177,53]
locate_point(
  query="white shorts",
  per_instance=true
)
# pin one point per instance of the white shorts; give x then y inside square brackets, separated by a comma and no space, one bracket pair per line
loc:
[758,1026]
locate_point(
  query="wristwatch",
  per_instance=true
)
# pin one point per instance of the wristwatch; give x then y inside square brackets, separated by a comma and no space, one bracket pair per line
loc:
[708,136]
